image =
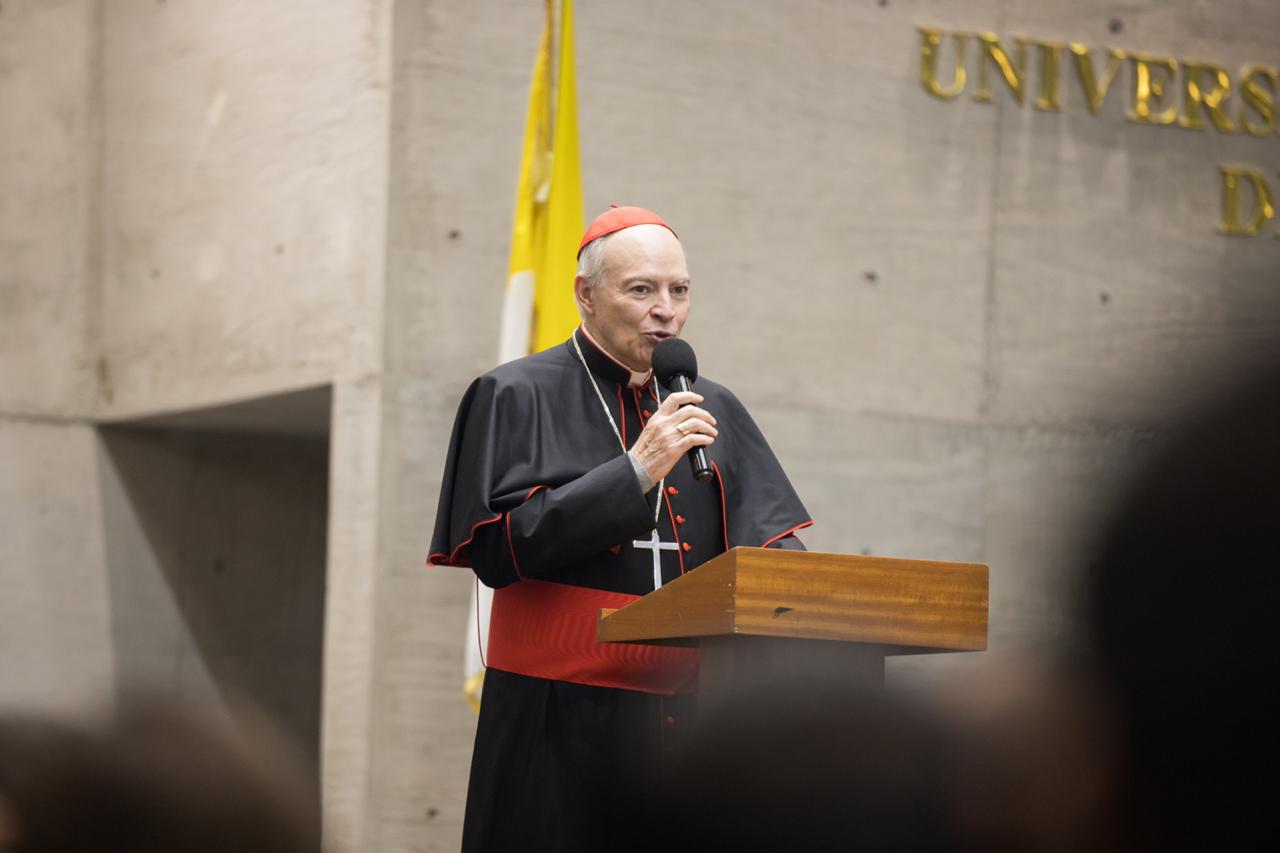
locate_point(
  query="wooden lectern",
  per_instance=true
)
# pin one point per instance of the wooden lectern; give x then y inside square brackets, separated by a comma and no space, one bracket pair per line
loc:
[764,617]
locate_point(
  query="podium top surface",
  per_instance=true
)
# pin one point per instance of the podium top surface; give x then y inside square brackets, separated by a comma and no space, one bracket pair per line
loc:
[907,606]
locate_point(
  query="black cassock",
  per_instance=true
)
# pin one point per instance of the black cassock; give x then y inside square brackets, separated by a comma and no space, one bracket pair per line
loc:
[536,486]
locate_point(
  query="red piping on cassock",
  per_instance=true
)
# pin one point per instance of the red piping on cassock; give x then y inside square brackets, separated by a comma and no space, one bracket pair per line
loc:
[511,546]
[674,532]
[802,525]
[452,559]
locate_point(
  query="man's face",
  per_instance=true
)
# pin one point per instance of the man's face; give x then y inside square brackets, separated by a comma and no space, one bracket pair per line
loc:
[645,295]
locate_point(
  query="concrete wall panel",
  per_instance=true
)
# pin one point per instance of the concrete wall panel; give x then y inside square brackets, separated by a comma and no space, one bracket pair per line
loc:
[789,146]
[1115,295]
[881,484]
[215,565]
[56,650]
[47,191]
[422,728]
[354,533]
[460,95]
[244,198]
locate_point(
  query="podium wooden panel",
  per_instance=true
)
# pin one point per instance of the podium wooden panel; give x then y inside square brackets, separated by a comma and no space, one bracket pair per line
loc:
[763,616]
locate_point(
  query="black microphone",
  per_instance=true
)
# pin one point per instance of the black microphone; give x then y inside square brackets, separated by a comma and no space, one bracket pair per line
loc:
[676,366]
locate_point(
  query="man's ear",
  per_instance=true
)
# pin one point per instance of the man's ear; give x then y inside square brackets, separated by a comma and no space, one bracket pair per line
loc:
[583,294]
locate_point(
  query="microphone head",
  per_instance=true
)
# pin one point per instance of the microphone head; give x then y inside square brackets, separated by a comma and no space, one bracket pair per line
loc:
[673,357]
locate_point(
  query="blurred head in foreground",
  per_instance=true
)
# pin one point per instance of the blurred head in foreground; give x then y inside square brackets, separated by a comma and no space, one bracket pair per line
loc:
[1183,601]
[803,768]
[152,781]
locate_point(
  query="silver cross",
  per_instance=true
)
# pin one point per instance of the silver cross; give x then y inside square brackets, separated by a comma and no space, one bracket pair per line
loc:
[654,545]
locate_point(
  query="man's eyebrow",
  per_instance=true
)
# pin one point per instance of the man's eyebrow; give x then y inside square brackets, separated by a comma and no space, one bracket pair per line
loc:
[647,280]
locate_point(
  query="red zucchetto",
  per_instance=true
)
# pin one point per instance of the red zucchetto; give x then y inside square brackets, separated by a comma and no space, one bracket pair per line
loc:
[616,218]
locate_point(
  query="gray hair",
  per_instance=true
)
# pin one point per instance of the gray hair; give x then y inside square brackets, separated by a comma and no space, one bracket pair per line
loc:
[591,261]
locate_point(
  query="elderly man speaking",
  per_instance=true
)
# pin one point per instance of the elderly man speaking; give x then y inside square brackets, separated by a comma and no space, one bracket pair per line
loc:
[562,492]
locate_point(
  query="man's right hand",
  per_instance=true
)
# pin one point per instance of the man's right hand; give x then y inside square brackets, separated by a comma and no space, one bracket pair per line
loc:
[672,431]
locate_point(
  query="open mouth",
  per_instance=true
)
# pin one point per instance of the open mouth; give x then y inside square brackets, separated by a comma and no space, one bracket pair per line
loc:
[656,337]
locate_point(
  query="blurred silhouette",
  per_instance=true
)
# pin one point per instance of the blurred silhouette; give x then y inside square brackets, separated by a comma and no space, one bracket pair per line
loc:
[797,769]
[1182,607]
[1159,737]
[152,781]
[1034,747]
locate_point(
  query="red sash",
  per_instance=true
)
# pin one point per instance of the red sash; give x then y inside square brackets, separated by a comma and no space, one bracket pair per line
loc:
[548,630]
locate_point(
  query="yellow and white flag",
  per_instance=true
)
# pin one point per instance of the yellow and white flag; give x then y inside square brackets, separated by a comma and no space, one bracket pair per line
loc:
[538,310]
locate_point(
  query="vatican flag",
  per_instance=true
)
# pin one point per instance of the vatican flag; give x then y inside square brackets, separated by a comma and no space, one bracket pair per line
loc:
[538,310]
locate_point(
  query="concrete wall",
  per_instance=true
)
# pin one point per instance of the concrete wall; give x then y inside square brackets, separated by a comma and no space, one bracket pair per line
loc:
[959,323]
[193,213]
[55,649]
[244,198]
[47,197]
[215,567]
[56,653]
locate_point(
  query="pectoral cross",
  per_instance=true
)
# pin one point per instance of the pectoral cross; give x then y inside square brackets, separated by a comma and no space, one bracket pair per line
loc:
[655,546]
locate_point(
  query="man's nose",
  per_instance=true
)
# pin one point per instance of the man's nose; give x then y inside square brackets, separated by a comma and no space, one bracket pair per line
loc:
[662,307]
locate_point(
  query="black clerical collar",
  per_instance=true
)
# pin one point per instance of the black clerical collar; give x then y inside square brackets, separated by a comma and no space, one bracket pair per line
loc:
[606,366]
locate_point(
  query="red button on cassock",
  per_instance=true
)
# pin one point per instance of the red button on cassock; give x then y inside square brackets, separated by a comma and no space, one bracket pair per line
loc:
[679,519]
[686,546]
[672,490]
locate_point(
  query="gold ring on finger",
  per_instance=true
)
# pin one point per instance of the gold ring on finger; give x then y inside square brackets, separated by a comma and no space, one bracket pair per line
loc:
[685,427]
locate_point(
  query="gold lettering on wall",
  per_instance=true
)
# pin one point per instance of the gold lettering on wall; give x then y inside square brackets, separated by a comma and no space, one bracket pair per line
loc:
[1050,98]
[1207,88]
[1165,92]
[1013,71]
[1196,96]
[1095,88]
[1234,220]
[1258,91]
[930,46]
[1151,76]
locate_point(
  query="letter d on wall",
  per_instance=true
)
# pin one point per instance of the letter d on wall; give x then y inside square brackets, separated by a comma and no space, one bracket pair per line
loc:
[1233,221]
